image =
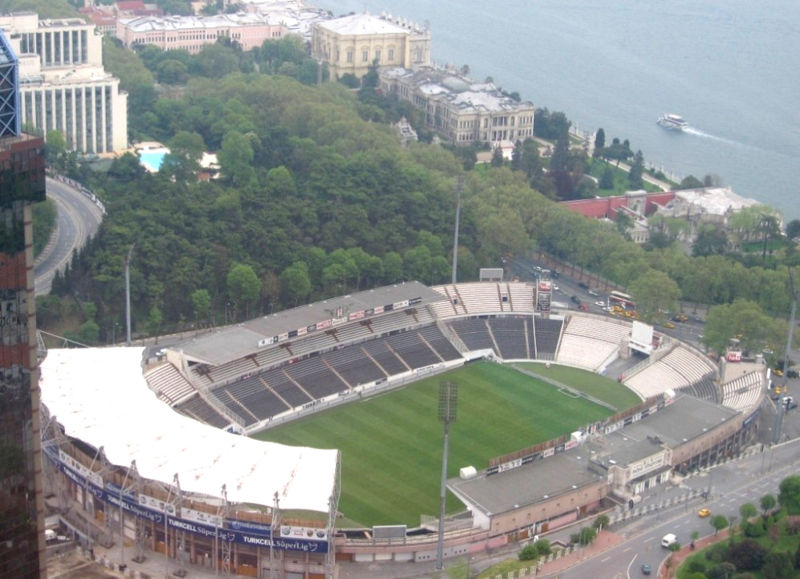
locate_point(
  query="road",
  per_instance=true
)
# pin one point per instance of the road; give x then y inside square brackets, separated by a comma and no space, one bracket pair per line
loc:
[78,219]
[731,485]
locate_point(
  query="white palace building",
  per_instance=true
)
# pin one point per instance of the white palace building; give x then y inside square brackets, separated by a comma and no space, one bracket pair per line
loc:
[63,85]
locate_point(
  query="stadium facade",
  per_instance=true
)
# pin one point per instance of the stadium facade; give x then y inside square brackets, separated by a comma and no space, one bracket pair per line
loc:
[22,182]
[138,469]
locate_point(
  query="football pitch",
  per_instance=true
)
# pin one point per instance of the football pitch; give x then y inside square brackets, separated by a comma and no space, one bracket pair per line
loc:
[391,445]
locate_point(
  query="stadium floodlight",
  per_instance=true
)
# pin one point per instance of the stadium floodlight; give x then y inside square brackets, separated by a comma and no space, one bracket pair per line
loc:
[128,294]
[448,404]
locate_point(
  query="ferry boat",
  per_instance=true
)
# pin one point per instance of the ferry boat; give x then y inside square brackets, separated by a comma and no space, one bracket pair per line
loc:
[671,121]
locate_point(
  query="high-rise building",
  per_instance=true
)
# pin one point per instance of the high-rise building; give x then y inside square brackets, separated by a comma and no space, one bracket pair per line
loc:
[22,181]
[63,85]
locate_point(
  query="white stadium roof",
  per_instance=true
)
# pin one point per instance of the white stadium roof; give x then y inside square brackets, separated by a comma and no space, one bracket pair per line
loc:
[99,396]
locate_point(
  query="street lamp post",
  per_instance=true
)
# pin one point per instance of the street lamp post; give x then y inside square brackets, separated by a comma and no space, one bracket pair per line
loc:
[448,402]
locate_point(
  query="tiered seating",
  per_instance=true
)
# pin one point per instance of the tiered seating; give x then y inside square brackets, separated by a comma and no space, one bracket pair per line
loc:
[234,406]
[598,329]
[521,297]
[253,394]
[473,332]
[743,393]
[443,309]
[278,382]
[169,385]
[354,366]
[704,389]
[584,352]
[510,336]
[439,343]
[412,349]
[656,379]
[271,356]
[353,331]
[384,357]
[199,409]
[689,364]
[231,370]
[547,334]
[449,308]
[313,343]
[315,377]
[480,298]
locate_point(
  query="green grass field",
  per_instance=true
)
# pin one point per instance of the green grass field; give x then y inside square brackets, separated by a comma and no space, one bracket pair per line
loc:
[391,444]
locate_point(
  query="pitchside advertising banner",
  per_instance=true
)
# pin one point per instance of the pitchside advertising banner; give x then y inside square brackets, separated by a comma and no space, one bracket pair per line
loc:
[290,538]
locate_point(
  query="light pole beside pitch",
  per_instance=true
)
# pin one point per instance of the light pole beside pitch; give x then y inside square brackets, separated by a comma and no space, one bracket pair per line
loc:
[448,402]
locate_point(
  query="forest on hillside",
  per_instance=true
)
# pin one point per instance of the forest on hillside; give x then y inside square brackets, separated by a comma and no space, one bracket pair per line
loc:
[316,197]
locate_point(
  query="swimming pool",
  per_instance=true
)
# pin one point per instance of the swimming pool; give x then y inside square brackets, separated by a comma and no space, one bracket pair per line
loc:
[152,159]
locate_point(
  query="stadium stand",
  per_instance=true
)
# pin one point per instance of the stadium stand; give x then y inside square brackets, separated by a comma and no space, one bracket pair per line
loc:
[410,347]
[473,332]
[434,337]
[743,393]
[169,385]
[547,334]
[588,341]
[521,297]
[353,366]
[511,336]
[384,357]
[315,377]
[199,409]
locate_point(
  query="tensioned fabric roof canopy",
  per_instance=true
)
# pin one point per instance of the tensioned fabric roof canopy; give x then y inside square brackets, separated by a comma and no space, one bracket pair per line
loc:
[99,396]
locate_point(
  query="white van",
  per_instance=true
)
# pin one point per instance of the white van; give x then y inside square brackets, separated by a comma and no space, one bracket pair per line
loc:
[668,540]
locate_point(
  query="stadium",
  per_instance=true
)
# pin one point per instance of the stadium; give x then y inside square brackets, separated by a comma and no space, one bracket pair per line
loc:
[151,449]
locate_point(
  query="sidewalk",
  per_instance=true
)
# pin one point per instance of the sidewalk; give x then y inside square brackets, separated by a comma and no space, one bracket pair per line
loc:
[605,540]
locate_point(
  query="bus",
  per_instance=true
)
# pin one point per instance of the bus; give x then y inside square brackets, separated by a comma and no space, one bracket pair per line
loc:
[621,300]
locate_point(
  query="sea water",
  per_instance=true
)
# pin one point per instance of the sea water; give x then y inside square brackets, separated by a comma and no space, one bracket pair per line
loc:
[727,66]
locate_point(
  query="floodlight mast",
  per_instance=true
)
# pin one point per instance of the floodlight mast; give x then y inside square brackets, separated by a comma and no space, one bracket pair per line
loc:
[783,402]
[448,403]
[128,294]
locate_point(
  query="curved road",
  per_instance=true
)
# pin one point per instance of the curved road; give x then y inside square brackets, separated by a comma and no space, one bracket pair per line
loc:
[78,219]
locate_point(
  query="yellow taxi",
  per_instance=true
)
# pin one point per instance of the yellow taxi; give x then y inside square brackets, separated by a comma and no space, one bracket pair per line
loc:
[703,513]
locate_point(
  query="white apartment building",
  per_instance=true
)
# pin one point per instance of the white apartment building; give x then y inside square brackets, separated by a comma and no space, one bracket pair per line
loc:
[63,85]
[463,111]
[351,44]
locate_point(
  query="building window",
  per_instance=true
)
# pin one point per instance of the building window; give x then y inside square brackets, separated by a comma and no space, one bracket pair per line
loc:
[350,56]
[378,54]
[365,55]
[391,55]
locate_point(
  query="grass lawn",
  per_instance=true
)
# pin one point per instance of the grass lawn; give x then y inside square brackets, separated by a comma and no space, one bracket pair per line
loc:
[600,387]
[391,444]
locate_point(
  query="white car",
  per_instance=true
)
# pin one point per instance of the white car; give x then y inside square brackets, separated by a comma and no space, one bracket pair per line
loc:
[599,303]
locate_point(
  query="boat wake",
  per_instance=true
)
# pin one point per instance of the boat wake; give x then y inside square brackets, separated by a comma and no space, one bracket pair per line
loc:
[699,133]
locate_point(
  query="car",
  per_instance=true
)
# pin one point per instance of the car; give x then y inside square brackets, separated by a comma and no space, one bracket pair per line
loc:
[703,513]
[575,299]
[778,372]
[555,287]
[593,293]
[679,317]
[583,285]
[669,325]
[600,303]
[645,569]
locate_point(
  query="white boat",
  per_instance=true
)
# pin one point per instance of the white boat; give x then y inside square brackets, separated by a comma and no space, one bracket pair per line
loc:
[671,121]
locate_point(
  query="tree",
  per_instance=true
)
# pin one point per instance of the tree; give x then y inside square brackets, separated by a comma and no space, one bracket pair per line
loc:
[747,555]
[635,177]
[586,535]
[711,240]
[746,321]
[244,287]
[767,503]
[789,494]
[295,283]
[236,159]
[778,565]
[793,229]
[690,182]
[599,143]
[607,179]
[601,522]
[719,522]
[747,511]
[497,157]
[201,304]
[655,292]
[722,570]
[55,148]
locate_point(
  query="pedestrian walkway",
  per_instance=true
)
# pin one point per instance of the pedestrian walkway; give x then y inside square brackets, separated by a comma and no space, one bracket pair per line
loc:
[604,541]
